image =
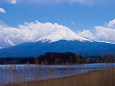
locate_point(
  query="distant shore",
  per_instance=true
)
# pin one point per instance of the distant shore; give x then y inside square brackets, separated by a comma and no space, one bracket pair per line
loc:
[93,78]
[53,58]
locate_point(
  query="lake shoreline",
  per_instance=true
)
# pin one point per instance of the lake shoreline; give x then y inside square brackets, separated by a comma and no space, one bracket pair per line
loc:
[107,77]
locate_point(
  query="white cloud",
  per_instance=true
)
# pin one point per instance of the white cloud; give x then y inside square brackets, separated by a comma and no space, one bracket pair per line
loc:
[87,34]
[2,10]
[12,1]
[28,32]
[101,33]
[105,34]
[111,23]
[34,30]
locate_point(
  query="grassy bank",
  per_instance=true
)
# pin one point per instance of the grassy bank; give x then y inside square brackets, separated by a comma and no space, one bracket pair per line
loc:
[94,78]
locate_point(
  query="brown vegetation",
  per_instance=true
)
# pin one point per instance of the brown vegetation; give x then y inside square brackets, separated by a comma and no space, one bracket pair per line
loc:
[94,78]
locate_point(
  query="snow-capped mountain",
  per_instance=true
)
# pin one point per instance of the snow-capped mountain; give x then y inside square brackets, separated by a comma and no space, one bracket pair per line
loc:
[38,38]
[61,34]
[34,32]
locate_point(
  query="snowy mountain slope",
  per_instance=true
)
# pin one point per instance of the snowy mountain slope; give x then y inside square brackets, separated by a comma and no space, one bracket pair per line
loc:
[33,39]
[61,34]
[33,32]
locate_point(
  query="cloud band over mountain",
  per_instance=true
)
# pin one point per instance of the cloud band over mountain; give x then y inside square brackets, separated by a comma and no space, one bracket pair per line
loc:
[36,31]
[101,33]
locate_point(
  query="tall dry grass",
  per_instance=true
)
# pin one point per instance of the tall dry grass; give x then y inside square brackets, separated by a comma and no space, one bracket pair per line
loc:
[94,78]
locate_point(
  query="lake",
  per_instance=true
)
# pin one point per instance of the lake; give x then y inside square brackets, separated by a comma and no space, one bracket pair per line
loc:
[20,73]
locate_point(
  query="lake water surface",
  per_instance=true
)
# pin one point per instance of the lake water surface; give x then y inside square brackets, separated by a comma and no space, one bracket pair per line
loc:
[20,73]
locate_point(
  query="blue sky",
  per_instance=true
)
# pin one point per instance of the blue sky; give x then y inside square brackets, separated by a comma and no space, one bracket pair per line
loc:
[91,19]
[76,15]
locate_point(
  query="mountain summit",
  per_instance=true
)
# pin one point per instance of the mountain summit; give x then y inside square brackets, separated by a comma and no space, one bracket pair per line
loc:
[34,39]
[34,32]
[60,33]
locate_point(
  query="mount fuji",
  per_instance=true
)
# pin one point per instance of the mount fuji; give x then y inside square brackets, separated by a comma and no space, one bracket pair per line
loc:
[34,32]
[49,32]
[56,39]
